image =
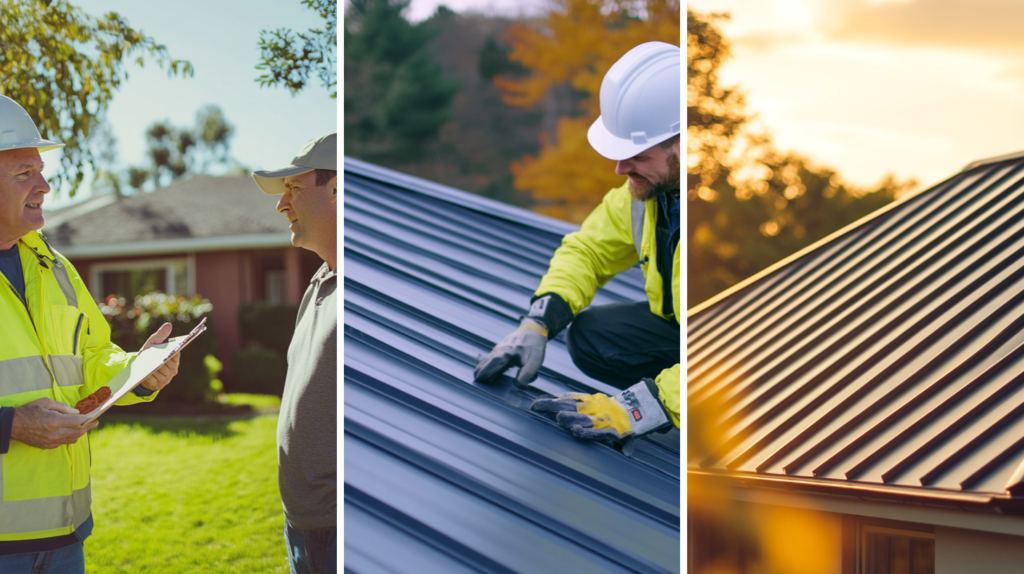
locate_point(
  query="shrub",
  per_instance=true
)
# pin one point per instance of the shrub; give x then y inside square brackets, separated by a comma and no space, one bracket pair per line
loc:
[131,326]
[260,371]
[269,326]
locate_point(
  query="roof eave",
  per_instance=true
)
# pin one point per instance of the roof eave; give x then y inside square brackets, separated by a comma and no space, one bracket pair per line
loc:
[163,246]
[975,502]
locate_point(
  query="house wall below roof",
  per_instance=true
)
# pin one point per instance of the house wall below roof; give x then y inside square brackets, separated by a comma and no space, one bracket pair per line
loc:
[732,536]
[959,551]
[228,279]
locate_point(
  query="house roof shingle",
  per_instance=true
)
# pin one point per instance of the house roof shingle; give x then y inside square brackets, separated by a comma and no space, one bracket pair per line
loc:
[197,210]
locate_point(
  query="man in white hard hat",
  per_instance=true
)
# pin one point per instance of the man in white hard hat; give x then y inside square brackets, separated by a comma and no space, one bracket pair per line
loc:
[55,350]
[307,428]
[630,346]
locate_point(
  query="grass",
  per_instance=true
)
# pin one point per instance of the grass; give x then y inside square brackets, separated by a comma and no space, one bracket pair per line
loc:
[182,495]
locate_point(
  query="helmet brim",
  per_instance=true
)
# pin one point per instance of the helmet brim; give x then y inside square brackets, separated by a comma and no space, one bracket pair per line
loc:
[38,143]
[616,148]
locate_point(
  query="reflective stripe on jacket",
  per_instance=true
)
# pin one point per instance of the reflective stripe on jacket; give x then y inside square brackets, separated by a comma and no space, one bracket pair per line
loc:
[55,344]
[605,246]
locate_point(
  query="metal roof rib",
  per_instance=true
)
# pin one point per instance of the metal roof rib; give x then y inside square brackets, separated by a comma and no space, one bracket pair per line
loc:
[887,355]
[450,475]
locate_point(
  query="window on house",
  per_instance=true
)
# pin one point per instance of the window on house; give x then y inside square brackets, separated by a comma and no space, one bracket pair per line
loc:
[133,278]
[895,551]
[275,286]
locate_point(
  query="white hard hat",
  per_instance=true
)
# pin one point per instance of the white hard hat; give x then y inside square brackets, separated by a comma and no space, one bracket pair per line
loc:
[17,130]
[640,101]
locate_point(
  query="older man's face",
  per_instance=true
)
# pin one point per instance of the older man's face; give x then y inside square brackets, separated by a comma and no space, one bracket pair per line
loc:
[22,188]
[652,172]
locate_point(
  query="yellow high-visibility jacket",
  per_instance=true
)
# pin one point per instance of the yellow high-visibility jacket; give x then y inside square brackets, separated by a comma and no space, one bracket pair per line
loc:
[614,237]
[54,344]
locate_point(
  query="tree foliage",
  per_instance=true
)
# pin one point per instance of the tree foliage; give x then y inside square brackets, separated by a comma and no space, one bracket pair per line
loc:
[63,66]
[576,44]
[396,96]
[750,205]
[175,152]
[289,58]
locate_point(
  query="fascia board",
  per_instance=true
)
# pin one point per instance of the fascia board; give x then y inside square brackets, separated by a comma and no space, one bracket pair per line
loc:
[458,197]
[229,242]
[951,517]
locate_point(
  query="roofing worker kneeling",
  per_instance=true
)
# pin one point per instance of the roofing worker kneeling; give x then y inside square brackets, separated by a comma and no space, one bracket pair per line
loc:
[55,350]
[631,346]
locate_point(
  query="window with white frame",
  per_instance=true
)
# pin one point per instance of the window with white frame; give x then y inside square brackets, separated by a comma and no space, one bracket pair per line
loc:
[132,278]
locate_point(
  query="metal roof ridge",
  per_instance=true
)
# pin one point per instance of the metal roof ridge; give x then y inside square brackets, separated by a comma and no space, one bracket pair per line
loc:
[443,192]
[993,159]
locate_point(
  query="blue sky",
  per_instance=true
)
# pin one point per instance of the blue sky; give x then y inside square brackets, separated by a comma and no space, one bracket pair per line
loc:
[220,38]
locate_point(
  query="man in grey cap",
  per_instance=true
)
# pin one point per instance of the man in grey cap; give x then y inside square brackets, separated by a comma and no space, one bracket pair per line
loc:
[307,428]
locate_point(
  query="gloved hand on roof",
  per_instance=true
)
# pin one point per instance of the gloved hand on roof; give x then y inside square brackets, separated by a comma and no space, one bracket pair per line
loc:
[524,348]
[635,412]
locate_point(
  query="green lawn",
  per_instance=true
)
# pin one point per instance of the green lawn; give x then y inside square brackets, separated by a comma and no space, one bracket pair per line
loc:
[182,495]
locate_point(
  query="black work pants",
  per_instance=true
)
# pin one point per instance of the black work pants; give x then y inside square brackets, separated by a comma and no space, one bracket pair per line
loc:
[620,344]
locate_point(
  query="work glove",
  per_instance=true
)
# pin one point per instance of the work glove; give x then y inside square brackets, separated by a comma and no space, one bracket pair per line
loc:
[524,348]
[633,413]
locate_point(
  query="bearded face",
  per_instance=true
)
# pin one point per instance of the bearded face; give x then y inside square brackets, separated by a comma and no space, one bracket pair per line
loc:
[652,172]
[643,188]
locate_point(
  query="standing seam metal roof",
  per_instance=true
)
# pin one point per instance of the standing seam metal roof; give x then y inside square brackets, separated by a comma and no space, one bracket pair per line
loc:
[448,475]
[888,355]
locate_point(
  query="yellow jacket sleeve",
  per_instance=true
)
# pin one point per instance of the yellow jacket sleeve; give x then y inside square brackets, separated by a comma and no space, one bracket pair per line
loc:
[588,258]
[101,358]
[668,391]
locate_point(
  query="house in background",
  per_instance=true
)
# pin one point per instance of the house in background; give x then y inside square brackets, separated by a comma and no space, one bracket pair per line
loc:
[876,378]
[219,237]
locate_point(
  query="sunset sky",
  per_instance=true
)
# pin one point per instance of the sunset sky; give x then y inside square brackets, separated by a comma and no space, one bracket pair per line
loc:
[918,88]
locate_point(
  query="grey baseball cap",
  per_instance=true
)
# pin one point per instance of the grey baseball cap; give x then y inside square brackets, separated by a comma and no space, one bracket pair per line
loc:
[320,153]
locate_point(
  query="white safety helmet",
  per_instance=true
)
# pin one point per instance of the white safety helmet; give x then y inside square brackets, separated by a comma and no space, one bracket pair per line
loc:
[17,130]
[640,101]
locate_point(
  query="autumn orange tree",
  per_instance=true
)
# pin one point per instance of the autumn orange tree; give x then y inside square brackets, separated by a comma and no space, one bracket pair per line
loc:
[576,44]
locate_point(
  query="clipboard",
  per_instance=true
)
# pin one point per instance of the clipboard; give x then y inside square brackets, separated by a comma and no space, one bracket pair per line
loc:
[144,365]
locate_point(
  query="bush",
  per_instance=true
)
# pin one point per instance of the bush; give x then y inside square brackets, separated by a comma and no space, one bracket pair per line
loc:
[131,326]
[269,326]
[260,371]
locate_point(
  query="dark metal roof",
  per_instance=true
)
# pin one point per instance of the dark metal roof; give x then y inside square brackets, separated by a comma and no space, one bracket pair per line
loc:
[888,355]
[443,474]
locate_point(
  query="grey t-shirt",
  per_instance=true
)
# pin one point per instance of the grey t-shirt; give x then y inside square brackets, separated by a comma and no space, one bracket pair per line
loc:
[307,430]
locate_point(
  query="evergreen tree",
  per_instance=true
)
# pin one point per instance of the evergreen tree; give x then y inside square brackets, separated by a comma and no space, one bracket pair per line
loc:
[396,96]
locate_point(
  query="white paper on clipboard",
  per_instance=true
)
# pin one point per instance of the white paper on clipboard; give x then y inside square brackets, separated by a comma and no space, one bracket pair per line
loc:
[144,364]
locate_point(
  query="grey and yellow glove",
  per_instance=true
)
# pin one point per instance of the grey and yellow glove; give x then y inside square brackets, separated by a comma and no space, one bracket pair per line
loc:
[524,348]
[635,412]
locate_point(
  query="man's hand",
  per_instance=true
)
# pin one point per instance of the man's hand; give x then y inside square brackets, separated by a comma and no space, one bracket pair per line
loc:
[166,372]
[46,423]
[636,411]
[524,348]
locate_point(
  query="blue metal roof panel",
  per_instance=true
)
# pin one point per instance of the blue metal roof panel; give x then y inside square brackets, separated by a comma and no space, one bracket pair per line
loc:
[451,475]
[888,355]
